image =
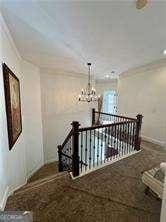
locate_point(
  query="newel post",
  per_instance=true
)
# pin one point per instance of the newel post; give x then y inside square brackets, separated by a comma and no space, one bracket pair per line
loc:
[75,145]
[93,117]
[138,132]
[60,164]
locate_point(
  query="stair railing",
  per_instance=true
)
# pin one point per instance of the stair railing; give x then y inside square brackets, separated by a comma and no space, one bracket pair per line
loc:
[111,138]
[99,118]
[65,153]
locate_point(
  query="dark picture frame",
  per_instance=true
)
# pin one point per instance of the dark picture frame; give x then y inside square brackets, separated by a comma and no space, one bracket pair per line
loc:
[13,105]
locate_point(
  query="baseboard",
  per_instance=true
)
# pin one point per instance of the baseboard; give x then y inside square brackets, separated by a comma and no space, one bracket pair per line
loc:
[4,199]
[13,189]
[50,160]
[151,140]
[10,190]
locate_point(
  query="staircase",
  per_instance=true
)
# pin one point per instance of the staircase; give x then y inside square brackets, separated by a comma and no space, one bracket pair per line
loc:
[110,138]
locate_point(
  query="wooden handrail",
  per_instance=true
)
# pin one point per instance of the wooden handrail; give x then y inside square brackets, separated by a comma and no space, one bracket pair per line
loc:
[105,125]
[109,114]
[60,150]
[64,154]
[67,138]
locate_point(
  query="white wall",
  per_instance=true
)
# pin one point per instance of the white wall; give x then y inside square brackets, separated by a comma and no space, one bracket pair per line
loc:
[3,134]
[14,160]
[143,90]
[60,106]
[13,165]
[32,117]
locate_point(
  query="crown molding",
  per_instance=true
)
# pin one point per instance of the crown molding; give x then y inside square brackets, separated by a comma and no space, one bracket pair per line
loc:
[8,34]
[103,81]
[158,64]
[46,71]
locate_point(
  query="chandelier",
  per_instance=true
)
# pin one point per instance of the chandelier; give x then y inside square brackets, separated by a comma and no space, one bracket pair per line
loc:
[88,94]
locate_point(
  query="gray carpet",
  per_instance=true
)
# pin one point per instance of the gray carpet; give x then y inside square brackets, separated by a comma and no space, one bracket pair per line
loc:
[114,193]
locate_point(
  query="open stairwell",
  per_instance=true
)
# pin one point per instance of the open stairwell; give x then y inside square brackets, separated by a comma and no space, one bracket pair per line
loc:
[109,139]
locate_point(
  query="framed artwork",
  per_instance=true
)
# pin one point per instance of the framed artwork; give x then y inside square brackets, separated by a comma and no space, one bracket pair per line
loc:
[13,105]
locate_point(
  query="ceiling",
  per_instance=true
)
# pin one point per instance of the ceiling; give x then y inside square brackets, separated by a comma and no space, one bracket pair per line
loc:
[64,35]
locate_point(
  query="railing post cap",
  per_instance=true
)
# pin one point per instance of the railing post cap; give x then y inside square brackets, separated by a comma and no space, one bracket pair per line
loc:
[75,124]
[139,116]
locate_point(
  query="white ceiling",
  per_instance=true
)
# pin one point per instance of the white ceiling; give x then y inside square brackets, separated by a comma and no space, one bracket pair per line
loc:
[64,35]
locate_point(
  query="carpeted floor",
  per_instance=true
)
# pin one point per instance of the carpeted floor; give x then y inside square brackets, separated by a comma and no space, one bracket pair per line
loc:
[45,171]
[114,193]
